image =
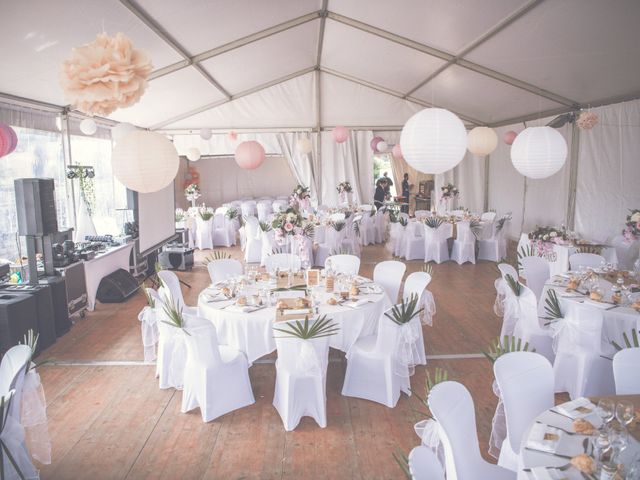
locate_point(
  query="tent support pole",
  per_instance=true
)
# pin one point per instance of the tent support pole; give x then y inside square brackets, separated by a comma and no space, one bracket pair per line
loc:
[573,176]
[66,154]
[319,146]
[487,159]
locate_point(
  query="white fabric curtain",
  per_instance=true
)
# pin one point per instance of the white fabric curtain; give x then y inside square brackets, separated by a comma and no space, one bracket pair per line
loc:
[29,118]
[351,161]
[469,178]
[222,144]
[609,171]
[301,165]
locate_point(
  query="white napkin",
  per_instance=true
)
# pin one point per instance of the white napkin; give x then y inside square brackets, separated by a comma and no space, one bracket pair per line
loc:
[296,311]
[570,409]
[242,308]
[370,289]
[357,303]
[219,297]
[537,441]
[546,473]
[564,293]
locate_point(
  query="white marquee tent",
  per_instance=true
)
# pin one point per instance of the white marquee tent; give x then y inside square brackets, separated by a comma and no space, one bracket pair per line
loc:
[309,65]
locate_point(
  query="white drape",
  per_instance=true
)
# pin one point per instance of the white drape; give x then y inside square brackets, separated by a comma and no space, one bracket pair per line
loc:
[302,165]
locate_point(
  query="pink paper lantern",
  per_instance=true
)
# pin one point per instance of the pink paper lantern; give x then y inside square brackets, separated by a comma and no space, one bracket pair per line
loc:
[340,134]
[8,139]
[374,143]
[396,152]
[509,137]
[249,155]
[233,136]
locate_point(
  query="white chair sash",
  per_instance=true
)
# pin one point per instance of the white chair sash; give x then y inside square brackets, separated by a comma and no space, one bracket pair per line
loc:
[34,418]
[150,335]
[407,350]
[429,306]
[429,433]
[498,425]
[13,436]
[501,293]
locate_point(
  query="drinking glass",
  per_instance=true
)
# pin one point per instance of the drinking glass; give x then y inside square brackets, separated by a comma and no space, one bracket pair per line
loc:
[619,439]
[606,410]
[625,413]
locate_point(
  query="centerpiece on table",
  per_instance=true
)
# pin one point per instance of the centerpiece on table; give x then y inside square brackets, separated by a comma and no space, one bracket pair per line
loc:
[205,213]
[300,198]
[631,230]
[289,225]
[344,191]
[192,193]
[543,239]
[449,192]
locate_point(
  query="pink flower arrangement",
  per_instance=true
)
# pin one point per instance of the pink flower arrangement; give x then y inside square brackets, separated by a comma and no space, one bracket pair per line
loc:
[288,227]
[587,120]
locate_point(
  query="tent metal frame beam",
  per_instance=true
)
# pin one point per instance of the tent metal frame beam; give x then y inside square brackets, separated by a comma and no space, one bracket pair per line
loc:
[447,57]
[245,93]
[393,93]
[326,128]
[139,12]
[29,103]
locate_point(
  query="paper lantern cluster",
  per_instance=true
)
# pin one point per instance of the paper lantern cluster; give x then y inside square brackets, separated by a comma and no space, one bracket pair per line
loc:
[193,154]
[539,152]
[145,161]
[104,75]
[378,145]
[481,141]
[249,155]
[433,140]
[340,134]
[509,137]
[8,139]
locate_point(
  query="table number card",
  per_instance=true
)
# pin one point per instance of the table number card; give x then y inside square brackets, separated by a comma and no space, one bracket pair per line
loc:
[313,277]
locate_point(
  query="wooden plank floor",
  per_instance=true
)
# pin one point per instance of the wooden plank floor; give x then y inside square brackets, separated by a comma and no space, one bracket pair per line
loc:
[109,420]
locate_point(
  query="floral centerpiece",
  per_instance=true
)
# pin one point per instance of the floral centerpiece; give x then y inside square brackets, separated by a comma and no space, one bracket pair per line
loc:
[289,225]
[543,239]
[344,187]
[180,215]
[631,230]
[205,213]
[449,192]
[300,198]
[192,193]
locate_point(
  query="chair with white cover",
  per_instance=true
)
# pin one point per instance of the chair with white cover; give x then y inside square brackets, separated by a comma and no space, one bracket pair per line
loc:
[380,222]
[494,248]
[374,368]
[508,322]
[249,208]
[253,245]
[416,284]
[464,245]
[488,217]
[148,318]
[12,371]
[625,371]
[389,275]
[367,228]
[452,406]
[537,272]
[12,442]
[626,251]
[421,214]
[279,206]
[301,378]
[586,260]
[527,324]
[204,233]
[412,243]
[265,209]
[223,232]
[216,377]
[172,283]
[526,384]
[282,261]
[435,244]
[424,465]
[222,269]
[345,264]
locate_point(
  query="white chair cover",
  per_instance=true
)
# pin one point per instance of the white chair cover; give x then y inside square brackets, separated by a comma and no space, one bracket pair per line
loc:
[452,406]
[396,234]
[220,270]
[190,224]
[424,465]
[223,231]
[429,433]
[282,261]
[412,242]
[171,283]
[301,377]
[380,222]
[536,272]
[216,378]
[253,245]
[526,384]
[488,216]
[149,326]
[588,260]
[345,264]
[508,324]
[34,417]
[625,371]
[435,244]
[12,436]
[494,248]
[626,251]
[204,233]
[367,228]
[464,245]
[279,205]
[417,283]
[12,371]
[249,209]
[389,275]
[265,209]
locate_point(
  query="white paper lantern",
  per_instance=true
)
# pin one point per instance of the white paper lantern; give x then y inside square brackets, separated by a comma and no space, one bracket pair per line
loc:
[304,146]
[88,126]
[539,152]
[121,130]
[145,161]
[193,154]
[382,146]
[205,133]
[481,141]
[434,140]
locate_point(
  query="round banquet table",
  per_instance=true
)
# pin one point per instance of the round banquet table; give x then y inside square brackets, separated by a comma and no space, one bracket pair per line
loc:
[252,333]
[568,445]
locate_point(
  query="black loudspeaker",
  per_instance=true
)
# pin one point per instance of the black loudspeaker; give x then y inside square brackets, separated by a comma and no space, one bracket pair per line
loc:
[116,287]
[36,206]
[60,303]
[18,313]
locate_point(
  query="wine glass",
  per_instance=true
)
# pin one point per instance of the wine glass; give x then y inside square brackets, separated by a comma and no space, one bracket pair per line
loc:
[606,410]
[625,413]
[619,438]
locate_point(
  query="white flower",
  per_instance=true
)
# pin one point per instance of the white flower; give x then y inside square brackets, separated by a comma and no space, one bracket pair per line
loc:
[635,217]
[545,237]
[446,190]
[553,234]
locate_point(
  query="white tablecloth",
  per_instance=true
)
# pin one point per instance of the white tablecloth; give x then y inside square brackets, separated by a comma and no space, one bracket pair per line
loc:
[101,266]
[252,334]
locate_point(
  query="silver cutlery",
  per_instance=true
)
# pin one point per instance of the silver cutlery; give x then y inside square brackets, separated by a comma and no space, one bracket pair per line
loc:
[548,453]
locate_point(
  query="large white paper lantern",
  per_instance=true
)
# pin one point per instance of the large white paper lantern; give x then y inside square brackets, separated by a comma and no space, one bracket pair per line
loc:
[481,141]
[433,141]
[88,126]
[304,146]
[539,152]
[145,161]
[193,154]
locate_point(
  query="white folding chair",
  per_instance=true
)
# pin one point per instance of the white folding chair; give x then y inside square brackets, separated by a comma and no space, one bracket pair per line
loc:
[282,261]
[413,241]
[204,233]
[435,244]
[536,271]
[416,284]
[220,270]
[625,371]
[464,245]
[265,209]
[527,324]
[253,245]
[223,231]
[216,377]
[12,371]
[424,465]
[374,371]
[345,264]
[452,406]
[526,384]
[172,284]
[587,260]
[301,377]
[488,216]
[389,275]
[626,252]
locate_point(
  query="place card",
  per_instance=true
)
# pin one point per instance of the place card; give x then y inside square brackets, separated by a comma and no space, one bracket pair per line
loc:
[313,277]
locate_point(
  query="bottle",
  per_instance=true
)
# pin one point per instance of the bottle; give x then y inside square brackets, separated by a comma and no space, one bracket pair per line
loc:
[329,282]
[608,471]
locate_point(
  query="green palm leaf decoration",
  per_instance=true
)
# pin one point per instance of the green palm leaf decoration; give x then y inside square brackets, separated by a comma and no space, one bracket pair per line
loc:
[516,286]
[216,255]
[525,251]
[205,215]
[502,220]
[394,215]
[173,313]
[265,226]
[403,221]
[475,227]
[150,300]
[552,307]
[30,339]
[275,249]
[356,227]
[628,343]
[428,268]
[405,311]
[232,213]
[322,327]
[338,226]
[309,230]
[372,212]
[403,462]
[433,222]
[508,344]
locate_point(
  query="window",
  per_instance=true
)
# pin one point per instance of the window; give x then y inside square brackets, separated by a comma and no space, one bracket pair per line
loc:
[382,164]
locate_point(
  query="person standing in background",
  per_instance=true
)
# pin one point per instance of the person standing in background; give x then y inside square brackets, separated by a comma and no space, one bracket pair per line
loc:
[379,196]
[406,188]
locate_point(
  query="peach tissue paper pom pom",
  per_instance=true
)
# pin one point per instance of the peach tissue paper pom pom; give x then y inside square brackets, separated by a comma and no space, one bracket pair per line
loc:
[105,75]
[587,120]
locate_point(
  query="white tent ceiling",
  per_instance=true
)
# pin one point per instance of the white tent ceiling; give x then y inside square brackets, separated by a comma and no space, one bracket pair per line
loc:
[255,64]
